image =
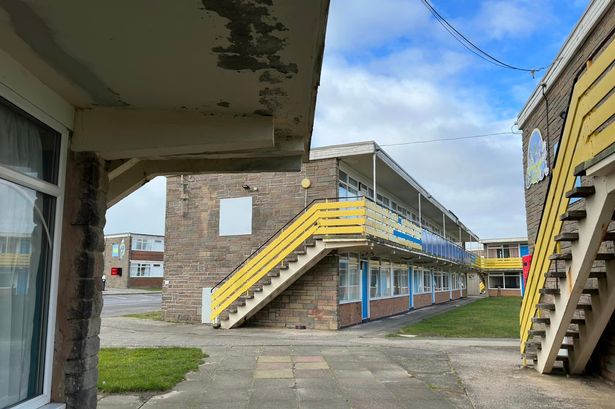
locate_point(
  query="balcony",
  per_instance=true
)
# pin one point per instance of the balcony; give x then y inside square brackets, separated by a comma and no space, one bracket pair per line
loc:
[510,263]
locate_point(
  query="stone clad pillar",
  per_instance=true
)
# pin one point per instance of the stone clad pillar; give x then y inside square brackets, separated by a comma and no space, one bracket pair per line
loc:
[75,366]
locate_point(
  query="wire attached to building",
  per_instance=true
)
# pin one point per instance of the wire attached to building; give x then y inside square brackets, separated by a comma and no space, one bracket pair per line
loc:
[473,48]
[457,138]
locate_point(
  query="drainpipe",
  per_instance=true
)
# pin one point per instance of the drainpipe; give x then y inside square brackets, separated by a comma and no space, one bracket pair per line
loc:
[450,286]
[411,285]
[433,288]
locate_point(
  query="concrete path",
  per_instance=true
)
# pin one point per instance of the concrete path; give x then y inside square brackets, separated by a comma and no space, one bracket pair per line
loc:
[354,368]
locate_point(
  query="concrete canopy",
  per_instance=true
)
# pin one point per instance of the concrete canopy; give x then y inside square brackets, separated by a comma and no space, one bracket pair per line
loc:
[187,81]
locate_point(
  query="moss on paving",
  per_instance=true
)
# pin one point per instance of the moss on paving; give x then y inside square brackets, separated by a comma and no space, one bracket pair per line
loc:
[492,317]
[145,369]
[153,315]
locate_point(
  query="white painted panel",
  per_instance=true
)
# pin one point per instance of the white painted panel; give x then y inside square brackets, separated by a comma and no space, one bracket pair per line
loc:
[206,306]
[235,216]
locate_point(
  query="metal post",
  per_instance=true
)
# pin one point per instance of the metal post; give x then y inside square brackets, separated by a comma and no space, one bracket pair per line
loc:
[374,177]
[446,247]
[420,214]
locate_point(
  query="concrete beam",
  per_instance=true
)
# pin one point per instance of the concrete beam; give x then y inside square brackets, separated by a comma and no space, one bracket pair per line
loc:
[131,175]
[123,133]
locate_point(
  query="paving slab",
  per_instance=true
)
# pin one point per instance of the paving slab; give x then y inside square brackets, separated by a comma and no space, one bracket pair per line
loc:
[366,370]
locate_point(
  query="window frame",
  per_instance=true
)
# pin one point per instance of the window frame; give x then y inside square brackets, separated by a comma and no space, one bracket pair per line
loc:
[347,257]
[57,191]
[503,276]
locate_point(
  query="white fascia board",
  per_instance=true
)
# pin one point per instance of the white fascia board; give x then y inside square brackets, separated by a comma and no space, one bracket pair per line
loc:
[505,240]
[26,91]
[584,26]
[340,151]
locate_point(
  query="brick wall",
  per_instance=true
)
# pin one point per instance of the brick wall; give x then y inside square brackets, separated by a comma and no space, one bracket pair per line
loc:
[145,282]
[147,255]
[442,296]
[456,294]
[503,293]
[350,314]
[422,300]
[75,360]
[558,96]
[122,262]
[312,301]
[196,256]
[388,306]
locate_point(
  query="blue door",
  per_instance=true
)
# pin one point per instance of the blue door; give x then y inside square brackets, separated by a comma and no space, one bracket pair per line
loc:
[364,290]
[524,250]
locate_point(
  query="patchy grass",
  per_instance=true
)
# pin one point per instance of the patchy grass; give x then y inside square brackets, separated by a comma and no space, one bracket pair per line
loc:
[491,317]
[145,369]
[153,315]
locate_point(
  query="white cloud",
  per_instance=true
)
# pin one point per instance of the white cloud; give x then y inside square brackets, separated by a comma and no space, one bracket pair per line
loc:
[141,212]
[478,179]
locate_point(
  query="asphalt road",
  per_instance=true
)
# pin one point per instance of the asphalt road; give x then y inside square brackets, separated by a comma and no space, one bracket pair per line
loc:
[117,305]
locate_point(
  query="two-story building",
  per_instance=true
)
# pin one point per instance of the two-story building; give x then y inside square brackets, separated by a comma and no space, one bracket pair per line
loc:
[350,238]
[134,260]
[501,265]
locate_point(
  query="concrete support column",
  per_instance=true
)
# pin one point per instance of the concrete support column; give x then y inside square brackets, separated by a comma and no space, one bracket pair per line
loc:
[75,366]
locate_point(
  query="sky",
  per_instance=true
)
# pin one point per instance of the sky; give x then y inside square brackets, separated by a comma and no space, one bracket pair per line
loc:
[393,75]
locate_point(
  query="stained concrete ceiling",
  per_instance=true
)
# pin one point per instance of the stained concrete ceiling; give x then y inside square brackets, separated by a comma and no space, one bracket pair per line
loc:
[212,58]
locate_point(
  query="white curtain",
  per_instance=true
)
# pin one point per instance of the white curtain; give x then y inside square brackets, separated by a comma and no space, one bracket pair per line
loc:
[21,265]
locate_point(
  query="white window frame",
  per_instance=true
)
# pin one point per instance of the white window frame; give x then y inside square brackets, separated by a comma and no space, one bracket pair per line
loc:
[58,191]
[134,264]
[503,275]
[347,256]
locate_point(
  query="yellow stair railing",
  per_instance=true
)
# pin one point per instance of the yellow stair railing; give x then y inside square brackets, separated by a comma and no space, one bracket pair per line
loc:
[14,260]
[332,218]
[589,129]
[509,263]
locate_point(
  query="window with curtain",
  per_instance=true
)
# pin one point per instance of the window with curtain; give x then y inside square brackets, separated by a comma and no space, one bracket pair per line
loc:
[26,228]
[400,280]
[350,278]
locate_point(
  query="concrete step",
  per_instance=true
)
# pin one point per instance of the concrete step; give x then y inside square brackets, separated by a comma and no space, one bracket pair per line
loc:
[605,256]
[584,307]
[573,215]
[609,236]
[597,274]
[578,321]
[537,320]
[572,334]
[546,306]
[534,345]
[537,332]
[580,192]
[567,346]
[560,256]
[567,237]
[274,273]
[555,274]
[591,291]
[550,291]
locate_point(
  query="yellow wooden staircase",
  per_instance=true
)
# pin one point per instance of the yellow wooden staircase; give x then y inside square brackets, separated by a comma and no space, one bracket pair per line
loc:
[321,228]
[570,292]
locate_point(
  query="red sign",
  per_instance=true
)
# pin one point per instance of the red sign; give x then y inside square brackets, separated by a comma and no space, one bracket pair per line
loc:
[116,271]
[527,262]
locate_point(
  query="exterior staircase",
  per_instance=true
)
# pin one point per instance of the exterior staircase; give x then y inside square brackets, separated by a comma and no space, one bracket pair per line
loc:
[570,292]
[308,238]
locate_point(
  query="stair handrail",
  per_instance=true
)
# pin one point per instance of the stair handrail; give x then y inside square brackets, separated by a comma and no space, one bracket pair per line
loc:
[582,147]
[326,199]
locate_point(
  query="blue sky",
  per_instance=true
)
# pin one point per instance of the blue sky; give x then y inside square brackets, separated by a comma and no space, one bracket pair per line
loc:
[392,74]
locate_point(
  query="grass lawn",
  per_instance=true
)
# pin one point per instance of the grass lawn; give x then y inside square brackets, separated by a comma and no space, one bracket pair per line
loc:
[145,369]
[153,315]
[491,317]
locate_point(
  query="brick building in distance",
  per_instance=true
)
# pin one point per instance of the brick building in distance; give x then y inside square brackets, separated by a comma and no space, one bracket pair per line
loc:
[323,248]
[502,266]
[134,260]
[567,316]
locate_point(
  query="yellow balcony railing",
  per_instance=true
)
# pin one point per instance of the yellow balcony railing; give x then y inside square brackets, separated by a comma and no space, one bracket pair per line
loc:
[588,131]
[510,263]
[14,260]
[333,219]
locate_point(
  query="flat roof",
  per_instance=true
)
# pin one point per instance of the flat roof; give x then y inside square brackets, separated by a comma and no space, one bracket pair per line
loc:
[595,10]
[505,240]
[114,235]
[371,147]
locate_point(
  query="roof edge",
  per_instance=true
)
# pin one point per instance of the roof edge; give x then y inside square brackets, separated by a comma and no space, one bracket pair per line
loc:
[594,12]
